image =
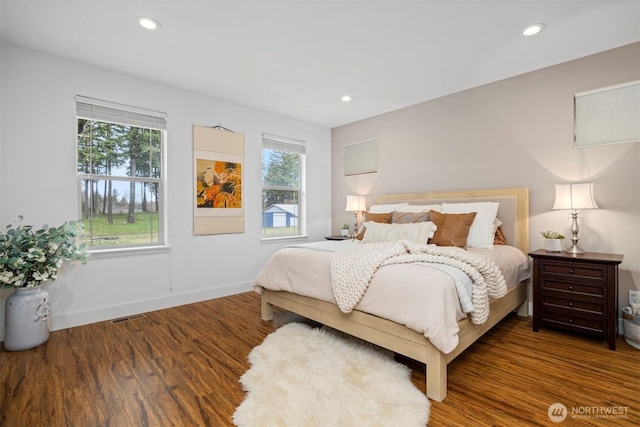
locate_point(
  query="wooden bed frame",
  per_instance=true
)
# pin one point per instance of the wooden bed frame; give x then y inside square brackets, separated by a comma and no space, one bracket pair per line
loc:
[400,339]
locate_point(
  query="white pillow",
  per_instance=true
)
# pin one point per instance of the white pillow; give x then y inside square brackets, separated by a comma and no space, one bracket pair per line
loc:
[387,208]
[419,208]
[482,231]
[418,232]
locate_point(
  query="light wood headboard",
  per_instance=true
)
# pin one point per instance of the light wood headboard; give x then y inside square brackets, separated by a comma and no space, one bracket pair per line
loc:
[513,211]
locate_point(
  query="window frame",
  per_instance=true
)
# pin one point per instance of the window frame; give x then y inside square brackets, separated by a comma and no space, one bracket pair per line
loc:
[119,114]
[279,143]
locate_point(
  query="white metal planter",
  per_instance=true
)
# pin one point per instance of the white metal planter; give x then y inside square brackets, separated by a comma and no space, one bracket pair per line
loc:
[27,319]
[553,245]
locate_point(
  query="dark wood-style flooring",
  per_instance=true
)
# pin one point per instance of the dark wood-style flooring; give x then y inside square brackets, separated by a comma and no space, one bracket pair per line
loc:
[181,367]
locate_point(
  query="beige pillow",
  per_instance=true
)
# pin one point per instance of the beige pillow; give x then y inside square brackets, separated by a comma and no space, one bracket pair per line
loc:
[453,229]
[418,232]
[384,218]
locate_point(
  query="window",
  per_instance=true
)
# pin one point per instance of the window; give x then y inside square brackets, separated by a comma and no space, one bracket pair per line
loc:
[120,169]
[283,184]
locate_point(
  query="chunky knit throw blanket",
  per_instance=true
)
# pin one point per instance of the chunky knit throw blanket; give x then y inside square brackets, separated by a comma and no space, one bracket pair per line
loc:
[352,271]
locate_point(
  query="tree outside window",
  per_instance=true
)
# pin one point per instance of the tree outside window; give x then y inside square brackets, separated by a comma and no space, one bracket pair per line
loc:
[120,171]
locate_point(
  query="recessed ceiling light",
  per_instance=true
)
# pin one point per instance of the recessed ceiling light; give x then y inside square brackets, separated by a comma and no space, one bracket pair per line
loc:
[148,23]
[346,98]
[533,29]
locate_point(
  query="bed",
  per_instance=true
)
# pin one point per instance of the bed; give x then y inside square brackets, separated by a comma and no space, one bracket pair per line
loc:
[513,212]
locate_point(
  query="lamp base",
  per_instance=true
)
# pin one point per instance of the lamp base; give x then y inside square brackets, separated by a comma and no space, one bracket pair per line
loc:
[575,250]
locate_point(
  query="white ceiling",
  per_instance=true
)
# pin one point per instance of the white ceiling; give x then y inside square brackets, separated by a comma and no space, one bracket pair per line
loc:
[297,58]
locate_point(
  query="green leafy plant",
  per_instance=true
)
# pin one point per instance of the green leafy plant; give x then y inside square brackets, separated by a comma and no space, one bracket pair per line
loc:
[345,226]
[29,257]
[551,234]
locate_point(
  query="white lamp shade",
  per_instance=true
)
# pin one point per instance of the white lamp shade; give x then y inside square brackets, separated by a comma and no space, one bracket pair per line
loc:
[355,203]
[575,196]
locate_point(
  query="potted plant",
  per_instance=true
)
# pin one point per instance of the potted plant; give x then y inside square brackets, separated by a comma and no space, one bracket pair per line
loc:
[553,241]
[345,230]
[28,258]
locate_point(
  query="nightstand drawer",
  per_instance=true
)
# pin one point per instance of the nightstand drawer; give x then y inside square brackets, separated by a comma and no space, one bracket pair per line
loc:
[582,324]
[574,287]
[574,270]
[595,308]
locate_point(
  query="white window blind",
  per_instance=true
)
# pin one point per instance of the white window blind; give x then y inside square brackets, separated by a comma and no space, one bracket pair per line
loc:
[607,116]
[361,157]
[282,144]
[105,111]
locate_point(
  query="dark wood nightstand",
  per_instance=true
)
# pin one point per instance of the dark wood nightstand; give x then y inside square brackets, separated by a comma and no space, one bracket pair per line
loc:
[338,237]
[576,292]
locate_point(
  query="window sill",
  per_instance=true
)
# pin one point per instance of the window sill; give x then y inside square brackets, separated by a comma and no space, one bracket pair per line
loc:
[116,252]
[283,239]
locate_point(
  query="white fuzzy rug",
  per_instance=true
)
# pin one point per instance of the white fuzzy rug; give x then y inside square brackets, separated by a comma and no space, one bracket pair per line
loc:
[301,376]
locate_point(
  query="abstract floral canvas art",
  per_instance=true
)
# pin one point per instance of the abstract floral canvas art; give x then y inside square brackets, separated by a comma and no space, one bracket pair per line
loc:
[218,184]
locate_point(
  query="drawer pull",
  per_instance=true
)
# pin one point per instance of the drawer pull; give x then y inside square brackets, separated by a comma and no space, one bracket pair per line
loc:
[570,288]
[571,321]
[570,304]
[571,271]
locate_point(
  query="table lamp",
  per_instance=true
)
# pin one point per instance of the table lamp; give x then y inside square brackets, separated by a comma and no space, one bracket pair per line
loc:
[355,204]
[574,197]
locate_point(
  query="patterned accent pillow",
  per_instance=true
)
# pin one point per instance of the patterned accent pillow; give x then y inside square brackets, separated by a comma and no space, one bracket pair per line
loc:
[409,217]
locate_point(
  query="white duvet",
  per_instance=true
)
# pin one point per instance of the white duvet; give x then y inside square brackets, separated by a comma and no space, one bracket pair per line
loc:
[416,295]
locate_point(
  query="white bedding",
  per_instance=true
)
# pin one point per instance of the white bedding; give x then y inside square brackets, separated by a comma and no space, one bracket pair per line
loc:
[351,272]
[397,292]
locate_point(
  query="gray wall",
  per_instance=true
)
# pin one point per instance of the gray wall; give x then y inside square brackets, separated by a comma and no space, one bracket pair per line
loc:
[516,132]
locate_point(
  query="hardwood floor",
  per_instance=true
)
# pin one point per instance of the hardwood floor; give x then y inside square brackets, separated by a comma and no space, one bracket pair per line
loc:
[181,366]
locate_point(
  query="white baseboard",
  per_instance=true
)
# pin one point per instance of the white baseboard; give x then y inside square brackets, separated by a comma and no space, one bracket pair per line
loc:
[79,318]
